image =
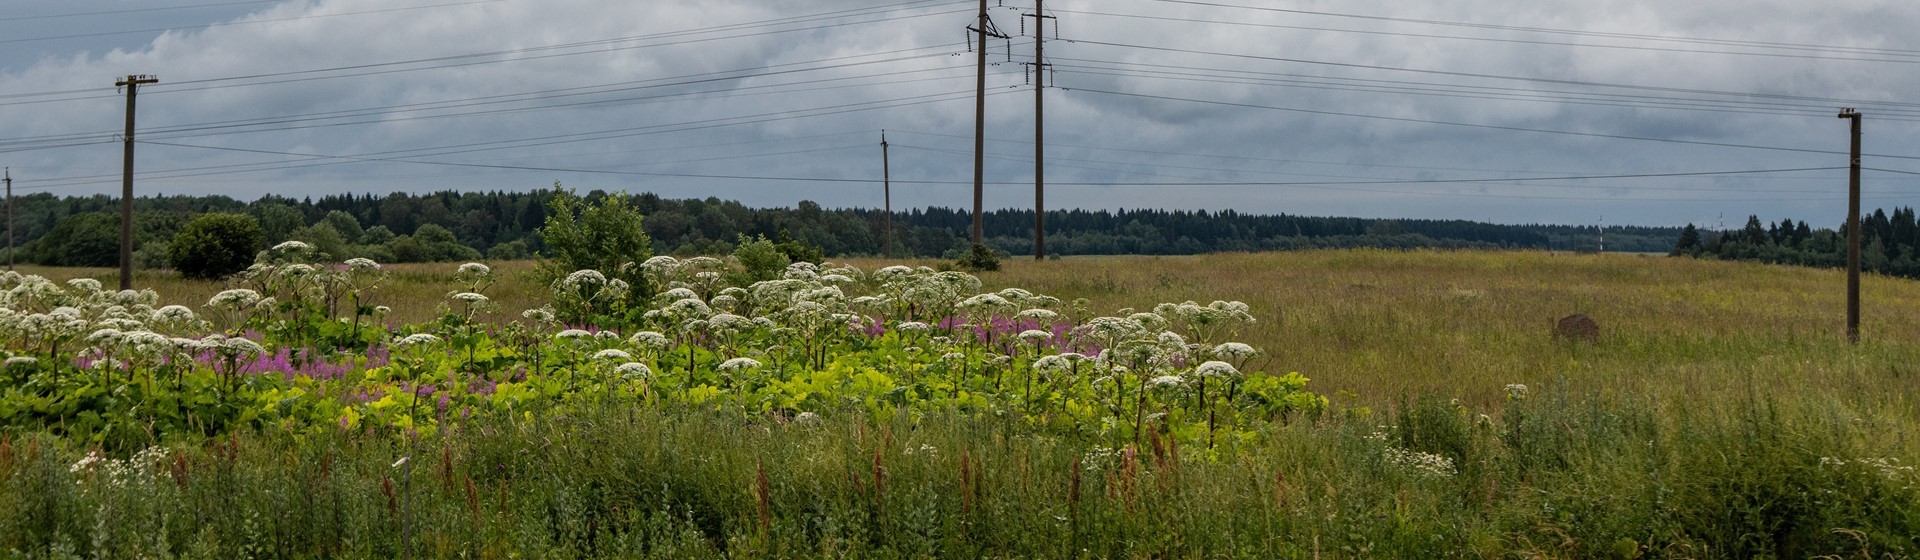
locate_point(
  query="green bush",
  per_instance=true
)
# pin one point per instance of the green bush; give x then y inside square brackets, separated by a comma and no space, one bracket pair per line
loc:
[604,235]
[981,258]
[216,245]
[762,259]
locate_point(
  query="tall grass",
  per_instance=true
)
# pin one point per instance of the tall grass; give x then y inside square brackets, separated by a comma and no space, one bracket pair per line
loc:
[1720,415]
[1556,475]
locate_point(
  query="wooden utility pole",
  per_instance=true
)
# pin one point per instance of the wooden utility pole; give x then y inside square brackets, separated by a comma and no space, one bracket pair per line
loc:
[1040,17]
[9,173]
[132,83]
[1853,231]
[984,28]
[886,182]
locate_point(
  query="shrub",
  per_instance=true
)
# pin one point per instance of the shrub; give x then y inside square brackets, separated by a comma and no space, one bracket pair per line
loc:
[216,245]
[603,235]
[762,259]
[981,258]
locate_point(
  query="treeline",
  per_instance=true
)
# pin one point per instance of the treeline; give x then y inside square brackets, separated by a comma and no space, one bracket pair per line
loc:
[445,226]
[1889,243]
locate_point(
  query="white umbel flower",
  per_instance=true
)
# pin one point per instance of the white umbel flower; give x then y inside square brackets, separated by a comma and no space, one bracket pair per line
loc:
[738,364]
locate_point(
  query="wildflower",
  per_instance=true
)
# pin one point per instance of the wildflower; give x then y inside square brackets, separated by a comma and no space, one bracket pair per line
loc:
[1035,336]
[1234,350]
[1052,363]
[737,364]
[1166,382]
[241,346]
[612,355]
[836,278]
[581,278]
[474,269]
[174,313]
[470,298]
[1218,369]
[650,339]
[293,246]
[984,302]
[85,285]
[362,265]
[660,263]
[806,419]
[22,361]
[234,299]
[540,315]
[382,310]
[633,370]
[677,294]
[1420,462]
[572,334]
[1516,392]
[1038,315]
[728,321]
[418,340]
[104,336]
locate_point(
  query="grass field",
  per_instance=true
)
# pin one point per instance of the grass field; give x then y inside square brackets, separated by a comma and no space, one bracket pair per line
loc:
[1370,327]
[1721,414]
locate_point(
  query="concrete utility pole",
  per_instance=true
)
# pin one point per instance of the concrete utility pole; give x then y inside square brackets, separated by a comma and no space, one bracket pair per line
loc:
[1603,234]
[886,182]
[1040,18]
[1853,231]
[132,83]
[985,30]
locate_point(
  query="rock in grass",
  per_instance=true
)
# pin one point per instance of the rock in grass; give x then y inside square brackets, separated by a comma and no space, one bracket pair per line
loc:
[1579,327]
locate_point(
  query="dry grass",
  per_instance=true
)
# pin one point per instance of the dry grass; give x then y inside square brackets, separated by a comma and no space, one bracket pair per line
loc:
[1377,325]
[1372,326]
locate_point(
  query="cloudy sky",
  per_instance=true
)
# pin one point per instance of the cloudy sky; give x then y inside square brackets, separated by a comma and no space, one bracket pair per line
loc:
[1646,112]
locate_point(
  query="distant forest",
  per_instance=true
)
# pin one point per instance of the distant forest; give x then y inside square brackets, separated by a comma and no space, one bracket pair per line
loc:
[446,226]
[1889,244]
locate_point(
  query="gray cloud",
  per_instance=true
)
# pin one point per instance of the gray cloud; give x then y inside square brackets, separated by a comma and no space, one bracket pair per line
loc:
[812,123]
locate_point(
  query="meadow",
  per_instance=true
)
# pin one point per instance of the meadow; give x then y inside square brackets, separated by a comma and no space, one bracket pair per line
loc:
[1721,414]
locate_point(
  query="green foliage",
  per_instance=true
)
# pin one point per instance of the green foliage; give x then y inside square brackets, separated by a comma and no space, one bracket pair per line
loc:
[216,245]
[79,240]
[760,259]
[798,250]
[980,258]
[515,250]
[605,235]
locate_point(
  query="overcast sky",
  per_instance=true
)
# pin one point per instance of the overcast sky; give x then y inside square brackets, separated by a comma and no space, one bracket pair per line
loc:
[1468,109]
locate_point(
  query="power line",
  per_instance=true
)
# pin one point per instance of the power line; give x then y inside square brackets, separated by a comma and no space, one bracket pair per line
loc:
[1636,100]
[278,77]
[709,77]
[1476,125]
[1646,37]
[247,22]
[137,10]
[1500,40]
[1855,102]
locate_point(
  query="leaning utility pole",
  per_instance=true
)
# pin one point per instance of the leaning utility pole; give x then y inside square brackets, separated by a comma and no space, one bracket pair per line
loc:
[132,83]
[886,185]
[1853,231]
[985,30]
[1040,18]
